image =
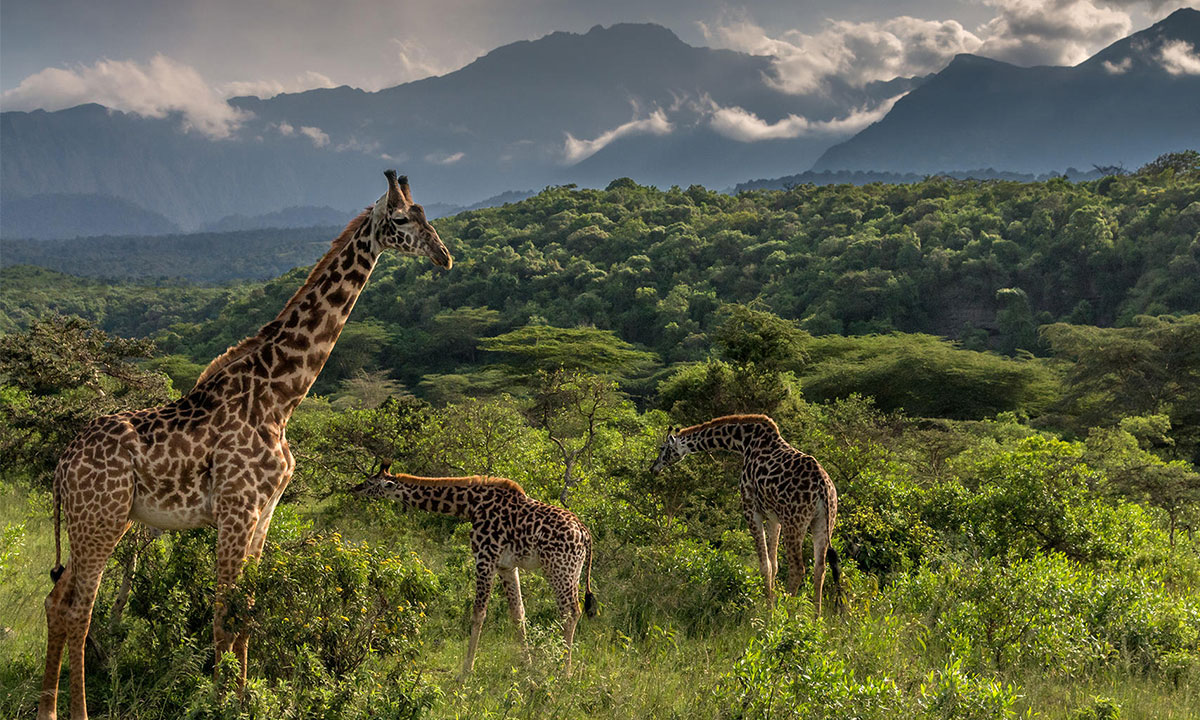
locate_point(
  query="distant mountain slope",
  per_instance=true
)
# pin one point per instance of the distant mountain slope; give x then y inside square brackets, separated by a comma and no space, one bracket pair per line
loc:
[292,217]
[72,215]
[1122,106]
[502,122]
[200,257]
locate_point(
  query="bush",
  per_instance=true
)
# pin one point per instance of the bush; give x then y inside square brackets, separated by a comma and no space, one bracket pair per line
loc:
[334,628]
[1052,615]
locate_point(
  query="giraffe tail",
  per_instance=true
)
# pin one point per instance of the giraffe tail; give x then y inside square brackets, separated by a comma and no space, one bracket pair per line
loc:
[57,571]
[589,600]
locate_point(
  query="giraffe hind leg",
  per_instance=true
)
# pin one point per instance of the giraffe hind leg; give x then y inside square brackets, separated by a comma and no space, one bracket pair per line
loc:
[820,536]
[69,610]
[564,579]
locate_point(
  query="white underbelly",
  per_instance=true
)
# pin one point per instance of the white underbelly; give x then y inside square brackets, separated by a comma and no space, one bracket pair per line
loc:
[508,559]
[174,518]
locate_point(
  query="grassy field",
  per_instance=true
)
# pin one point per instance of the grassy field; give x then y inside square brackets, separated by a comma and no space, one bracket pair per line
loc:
[859,663]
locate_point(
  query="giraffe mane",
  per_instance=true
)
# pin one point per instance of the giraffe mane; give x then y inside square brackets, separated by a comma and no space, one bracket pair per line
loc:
[466,481]
[254,342]
[731,420]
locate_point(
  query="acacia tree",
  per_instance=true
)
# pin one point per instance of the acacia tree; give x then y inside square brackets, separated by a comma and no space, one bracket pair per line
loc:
[57,376]
[570,406]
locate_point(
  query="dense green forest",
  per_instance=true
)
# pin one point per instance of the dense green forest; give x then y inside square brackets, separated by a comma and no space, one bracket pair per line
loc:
[1002,379]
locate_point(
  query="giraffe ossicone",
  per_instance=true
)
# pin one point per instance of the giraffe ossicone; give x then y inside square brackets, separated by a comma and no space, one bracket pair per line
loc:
[783,491]
[217,456]
[510,532]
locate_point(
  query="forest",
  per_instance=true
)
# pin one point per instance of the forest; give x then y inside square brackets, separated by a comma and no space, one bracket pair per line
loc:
[1002,379]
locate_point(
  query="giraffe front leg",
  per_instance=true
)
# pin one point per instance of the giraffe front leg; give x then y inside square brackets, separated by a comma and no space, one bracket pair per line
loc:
[235,531]
[485,573]
[516,608]
[757,532]
[772,531]
[241,643]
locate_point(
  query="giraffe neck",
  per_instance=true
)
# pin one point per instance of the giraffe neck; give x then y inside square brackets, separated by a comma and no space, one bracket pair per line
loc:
[296,344]
[444,498]
[738,437]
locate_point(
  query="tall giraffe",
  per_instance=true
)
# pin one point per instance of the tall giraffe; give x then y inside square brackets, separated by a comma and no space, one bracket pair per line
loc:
[509,531]
[782,489]
[216,456]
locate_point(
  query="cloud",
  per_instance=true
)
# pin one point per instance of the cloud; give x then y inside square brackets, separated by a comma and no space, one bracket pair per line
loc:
[308,80]
[318,137]
[155,89]
[1118,68]
[575,150]
[448,159]
[1051,32]
[744,126]
[1180,58]
[855,52]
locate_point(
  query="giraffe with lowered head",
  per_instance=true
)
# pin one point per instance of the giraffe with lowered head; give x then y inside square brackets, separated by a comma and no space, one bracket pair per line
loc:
[509,531]
[216,456]
[783,490]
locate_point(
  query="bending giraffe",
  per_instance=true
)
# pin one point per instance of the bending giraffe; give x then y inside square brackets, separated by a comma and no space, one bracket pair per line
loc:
[216,456]
[783,491]
[510,531]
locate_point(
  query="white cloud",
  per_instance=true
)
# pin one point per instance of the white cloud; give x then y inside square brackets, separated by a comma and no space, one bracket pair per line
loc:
[447,159]
[575,150]
[855,52]
[309,80]
[155,89]
[318,137]
[285,128]
[1117,68]
[1180,58]
[744,126]
[1051,32]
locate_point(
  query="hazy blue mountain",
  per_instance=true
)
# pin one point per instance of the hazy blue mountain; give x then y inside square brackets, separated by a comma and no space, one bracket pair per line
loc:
[501,122]
[198,257]
[63,215]
[1120,107]
[293,217]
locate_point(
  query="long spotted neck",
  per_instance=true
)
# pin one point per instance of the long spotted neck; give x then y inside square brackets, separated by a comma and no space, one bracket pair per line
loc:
[298,342]
[445,498]
[736,437]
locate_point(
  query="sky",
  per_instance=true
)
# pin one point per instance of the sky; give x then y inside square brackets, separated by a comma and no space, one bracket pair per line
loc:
[157,56]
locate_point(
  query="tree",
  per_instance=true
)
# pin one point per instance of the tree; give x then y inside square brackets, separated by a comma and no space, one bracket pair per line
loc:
[59,375]
[570,406]
[542,347]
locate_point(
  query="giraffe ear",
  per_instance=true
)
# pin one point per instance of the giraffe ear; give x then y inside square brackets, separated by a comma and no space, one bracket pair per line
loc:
[384,467]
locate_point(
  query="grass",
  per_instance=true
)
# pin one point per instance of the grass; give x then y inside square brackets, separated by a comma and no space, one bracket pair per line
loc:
[665,672]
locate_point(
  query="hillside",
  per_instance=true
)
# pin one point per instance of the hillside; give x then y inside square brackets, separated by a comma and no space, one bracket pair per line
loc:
[1123,106]
[984,262]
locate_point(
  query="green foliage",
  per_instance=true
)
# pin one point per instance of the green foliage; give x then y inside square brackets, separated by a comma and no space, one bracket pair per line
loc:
[57,376]
[1052,614]
[541,347]
[926,376]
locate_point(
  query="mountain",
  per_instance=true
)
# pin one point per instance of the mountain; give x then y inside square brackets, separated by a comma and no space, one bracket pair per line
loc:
[60,215]
[1124,106]
[292,217]
[627,100]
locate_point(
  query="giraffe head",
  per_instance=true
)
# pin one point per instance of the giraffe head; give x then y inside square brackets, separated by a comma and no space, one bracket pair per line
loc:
[671,452]
[377,485]
[399,224]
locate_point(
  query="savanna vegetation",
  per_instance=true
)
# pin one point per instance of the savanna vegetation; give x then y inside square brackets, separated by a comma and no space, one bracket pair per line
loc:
[1002,379]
